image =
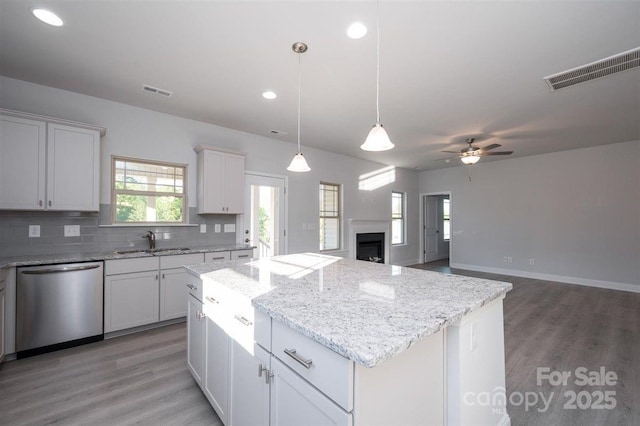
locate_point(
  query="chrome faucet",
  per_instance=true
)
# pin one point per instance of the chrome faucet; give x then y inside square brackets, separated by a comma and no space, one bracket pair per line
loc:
[152,239]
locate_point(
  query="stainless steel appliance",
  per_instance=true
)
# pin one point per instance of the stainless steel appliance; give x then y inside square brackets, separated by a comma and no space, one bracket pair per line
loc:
[58,306]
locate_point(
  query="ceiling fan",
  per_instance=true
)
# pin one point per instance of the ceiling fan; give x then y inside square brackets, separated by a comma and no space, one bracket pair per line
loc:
[471,154]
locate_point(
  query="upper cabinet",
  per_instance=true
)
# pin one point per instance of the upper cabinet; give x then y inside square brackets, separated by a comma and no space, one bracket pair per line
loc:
[220,181]
[48,164]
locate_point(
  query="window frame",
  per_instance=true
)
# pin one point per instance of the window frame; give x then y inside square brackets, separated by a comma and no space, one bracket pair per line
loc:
[338,216]
[402,217]
[114,191]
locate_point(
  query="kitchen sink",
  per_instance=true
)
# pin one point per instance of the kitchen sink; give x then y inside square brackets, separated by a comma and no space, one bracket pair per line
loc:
[152,251]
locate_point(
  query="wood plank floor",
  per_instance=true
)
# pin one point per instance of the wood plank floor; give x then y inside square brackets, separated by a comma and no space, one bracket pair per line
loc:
[142,379]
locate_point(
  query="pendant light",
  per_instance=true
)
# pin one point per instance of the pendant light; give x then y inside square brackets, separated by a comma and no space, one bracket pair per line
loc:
[377,140]
[299,164]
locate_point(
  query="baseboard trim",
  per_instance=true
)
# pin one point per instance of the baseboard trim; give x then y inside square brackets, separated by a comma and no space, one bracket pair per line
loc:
[610,285]
[138,329]
[406,262]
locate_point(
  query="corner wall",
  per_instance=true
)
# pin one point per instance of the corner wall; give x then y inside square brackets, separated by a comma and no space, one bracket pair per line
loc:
[575,213]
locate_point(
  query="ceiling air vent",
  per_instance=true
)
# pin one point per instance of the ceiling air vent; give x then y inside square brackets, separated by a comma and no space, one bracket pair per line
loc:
[607,66]
[151,89]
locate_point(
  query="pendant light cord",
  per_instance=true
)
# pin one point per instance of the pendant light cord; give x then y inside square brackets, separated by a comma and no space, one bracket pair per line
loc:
[378,62]
[299,90]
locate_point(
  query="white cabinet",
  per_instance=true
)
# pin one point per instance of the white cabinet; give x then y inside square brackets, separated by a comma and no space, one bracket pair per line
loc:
[73,168]
[241,254]
[195,339]
[22,163]
[217,351]
[47,165]
[250,391]
[130,300]
[3,310]
[173,284]
[220,181]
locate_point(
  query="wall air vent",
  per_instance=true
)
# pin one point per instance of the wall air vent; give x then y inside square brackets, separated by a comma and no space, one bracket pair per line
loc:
[607,66]
[151,89]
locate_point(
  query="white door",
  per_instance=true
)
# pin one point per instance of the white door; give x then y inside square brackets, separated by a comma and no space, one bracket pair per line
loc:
[264,216]
[431,229]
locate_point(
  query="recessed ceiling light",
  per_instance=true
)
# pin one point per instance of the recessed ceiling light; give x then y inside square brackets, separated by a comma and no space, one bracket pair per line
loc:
[269,95]
[48,17]
[357,30]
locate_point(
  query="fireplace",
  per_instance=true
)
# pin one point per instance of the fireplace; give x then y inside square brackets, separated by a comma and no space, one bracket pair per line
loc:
[360,233]
[370,247]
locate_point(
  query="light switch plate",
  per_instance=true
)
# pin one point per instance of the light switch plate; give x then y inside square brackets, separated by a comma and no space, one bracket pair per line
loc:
[203,228]
[72,230]
[34,231]
[216,227]
[229,227]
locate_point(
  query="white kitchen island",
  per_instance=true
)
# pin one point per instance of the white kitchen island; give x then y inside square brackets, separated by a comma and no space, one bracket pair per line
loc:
[313,339]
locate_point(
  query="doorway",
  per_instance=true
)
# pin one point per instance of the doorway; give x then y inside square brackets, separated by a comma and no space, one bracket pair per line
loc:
[436,221]
[265,214]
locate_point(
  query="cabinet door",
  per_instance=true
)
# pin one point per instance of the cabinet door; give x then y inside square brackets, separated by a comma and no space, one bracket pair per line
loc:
[234,183]
[216,382]
[130,300]
[211,182]
[295,402]
[249,387]
[195,340]
[22,164]
[73,168]
[173,293]
[2,313]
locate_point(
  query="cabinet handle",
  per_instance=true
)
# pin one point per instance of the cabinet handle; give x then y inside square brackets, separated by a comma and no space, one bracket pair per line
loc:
[243,320]
[262,368]
[306,363]
[163,276]
[40,203]
[201,315]
[268,377]
[242,255]
[192,287]
[156,277]
[211,299]
[218,258]
[49,203]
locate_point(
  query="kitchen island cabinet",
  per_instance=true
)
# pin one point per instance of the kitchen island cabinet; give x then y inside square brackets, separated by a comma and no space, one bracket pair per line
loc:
[340,341]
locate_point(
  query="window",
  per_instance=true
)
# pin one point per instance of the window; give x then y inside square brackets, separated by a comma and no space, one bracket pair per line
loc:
[329,216]
[397,217]
[446,223]
[147,191]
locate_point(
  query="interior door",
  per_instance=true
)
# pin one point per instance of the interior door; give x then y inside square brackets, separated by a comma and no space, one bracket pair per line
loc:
[264,216]
[431,229]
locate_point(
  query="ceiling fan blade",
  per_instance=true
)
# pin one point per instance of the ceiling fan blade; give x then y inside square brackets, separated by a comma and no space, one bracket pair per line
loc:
[451,152]
[498,153]
[490,147]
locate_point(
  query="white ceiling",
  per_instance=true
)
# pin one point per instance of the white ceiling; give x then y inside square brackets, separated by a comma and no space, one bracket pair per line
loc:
[449,70]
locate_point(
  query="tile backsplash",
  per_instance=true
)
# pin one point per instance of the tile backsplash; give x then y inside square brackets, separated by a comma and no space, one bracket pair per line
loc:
[15,240]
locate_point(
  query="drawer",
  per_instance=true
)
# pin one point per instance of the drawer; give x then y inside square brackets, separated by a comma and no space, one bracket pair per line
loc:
[194,285]
[331,373]
[125,266]
[241,254]
[167,262]
[216,256]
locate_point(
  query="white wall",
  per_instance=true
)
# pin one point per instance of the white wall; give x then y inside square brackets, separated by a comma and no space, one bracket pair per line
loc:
[142,133]
[577,213]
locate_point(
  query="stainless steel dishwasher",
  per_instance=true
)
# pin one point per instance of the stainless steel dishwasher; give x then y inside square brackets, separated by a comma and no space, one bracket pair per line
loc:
[58,306]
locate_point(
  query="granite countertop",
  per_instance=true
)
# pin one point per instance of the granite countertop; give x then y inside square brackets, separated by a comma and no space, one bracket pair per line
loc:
[49,259]
[366,312]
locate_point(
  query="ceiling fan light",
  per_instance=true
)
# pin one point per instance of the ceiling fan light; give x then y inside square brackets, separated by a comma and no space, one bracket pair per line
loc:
[377,140]
[470,159]
[298,164]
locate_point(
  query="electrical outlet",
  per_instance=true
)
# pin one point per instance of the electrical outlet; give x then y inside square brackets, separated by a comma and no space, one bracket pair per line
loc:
[505,259]
[510,259]
[203,228]
[229,227]
[216,227]
[34,231]
[532,261]
[72,230]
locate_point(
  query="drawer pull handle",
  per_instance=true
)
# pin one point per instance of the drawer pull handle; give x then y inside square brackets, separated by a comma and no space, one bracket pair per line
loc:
[242,255]
[306,363]
[243,320]
[192,287]
[217,258]
[211,299]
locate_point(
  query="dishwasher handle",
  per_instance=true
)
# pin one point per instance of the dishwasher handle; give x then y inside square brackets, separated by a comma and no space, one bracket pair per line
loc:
[58,270]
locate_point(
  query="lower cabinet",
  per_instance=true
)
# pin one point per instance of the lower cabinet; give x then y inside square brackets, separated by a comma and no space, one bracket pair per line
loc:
[251,379]
[217,351]
[2,314]
[131,300]
[195,339]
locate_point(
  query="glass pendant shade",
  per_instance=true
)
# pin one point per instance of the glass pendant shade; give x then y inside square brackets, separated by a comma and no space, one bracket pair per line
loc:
[377,140]
[470,159]
[298,164]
